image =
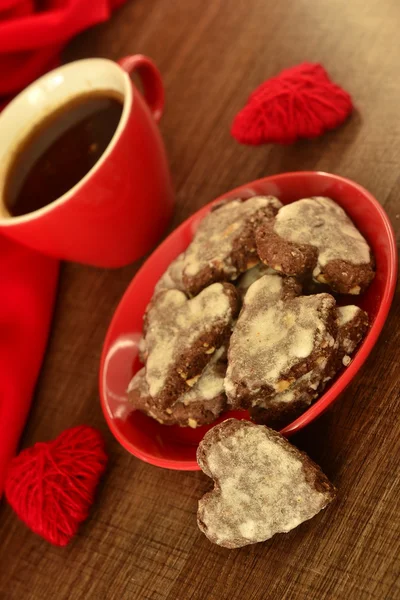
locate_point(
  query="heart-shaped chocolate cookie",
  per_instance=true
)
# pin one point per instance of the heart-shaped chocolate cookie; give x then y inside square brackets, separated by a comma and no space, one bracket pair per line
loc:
[262,484]
[315,237]
[275,343]
[182,335]
[224,245]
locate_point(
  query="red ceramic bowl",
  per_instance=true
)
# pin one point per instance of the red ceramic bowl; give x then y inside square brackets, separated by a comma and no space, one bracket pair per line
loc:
[175,447]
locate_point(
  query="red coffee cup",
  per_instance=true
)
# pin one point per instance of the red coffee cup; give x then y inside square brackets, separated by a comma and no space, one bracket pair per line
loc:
[121,207]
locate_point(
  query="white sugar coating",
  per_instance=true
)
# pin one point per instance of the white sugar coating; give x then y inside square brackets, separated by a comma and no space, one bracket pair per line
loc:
[285,397]
[322,223]
[229,386]
[270,339]
[211,383]
[142,350]
[250,276]
[174,323]
[348,345]
[209,386]
[352,323]
[214,238]
[345,314]
[172,278]
[136,383]
[267,288]
[263,488]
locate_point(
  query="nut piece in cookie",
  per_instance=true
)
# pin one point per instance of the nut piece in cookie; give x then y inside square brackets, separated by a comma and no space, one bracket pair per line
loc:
[181,336]
[315,236]
[262,485]
[201,405]
[274,344]
[224,244]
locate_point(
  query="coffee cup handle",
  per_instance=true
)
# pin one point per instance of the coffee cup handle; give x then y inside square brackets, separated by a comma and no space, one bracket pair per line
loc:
[150,77]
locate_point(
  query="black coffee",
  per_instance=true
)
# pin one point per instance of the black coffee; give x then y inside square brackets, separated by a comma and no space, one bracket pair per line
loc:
[60,151]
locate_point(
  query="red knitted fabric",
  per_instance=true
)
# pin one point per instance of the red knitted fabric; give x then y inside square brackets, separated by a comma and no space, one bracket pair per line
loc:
[51,486]
[300,102]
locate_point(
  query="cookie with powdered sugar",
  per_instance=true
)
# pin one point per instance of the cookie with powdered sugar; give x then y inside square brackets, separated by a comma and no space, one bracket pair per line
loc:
[172,278]
[262,485]
[352,325]
[274,344]
[224,244]
[314,236]
[181,336]
[201,405]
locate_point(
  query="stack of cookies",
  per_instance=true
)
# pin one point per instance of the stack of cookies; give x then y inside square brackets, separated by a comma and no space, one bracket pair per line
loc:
[247,316]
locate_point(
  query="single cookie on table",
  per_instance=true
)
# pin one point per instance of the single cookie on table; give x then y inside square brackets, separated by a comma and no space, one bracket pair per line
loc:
[201,405]
[262,485]
[315,236]
[182,335]
[224,244]
[352,323]
[275,344]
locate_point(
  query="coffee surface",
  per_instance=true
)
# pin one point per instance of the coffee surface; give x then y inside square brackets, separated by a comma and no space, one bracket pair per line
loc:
[60,151]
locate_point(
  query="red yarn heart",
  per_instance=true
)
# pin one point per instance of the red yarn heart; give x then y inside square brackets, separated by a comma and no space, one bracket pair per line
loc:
[300,102]
[51,486]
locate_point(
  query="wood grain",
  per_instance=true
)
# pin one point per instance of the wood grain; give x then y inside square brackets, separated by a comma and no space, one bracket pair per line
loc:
[141,540]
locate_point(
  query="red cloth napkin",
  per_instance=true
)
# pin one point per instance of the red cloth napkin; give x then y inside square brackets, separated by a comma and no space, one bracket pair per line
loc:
[28,283]
[33,32]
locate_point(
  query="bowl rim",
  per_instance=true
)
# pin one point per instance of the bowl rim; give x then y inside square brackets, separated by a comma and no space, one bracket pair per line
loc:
[343,380]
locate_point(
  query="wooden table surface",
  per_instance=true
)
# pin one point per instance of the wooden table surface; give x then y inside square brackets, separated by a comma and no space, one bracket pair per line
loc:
[141,540]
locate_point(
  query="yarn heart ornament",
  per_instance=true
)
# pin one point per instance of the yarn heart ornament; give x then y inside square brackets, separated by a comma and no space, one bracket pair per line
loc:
[51,486]
[300,102]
